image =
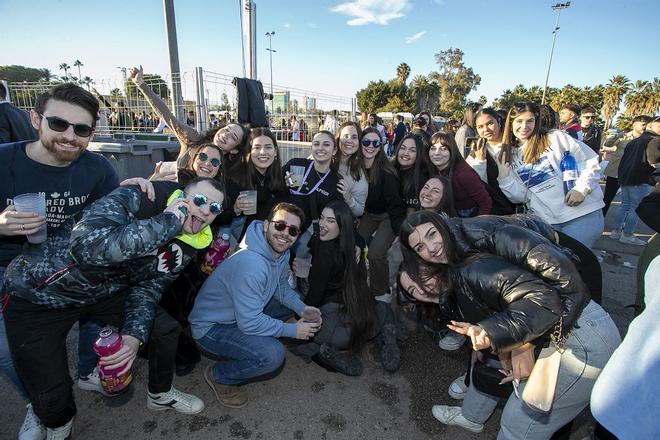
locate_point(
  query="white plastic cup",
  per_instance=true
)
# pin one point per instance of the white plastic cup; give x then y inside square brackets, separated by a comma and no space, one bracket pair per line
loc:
[36,203]
[297,173]
[169,167]
[251,197]
[303,264]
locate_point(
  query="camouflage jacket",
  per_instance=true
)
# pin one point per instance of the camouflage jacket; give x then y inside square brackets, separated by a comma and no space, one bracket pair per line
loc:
[123,243]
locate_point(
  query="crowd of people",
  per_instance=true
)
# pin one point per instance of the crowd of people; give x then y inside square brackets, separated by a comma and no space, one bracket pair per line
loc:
[469,230]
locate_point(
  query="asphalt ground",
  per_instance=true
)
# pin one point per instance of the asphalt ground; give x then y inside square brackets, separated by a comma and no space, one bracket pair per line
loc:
[307,402]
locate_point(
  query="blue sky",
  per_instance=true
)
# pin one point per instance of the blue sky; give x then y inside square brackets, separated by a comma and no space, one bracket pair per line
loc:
[338,46]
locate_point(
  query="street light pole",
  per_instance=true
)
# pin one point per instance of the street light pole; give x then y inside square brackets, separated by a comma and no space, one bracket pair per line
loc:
[271,50]
[558,7]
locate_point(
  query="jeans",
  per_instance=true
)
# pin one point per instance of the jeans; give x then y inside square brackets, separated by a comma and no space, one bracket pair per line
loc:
[611,187]
[586,229]
[588,348]
[160,349]
[380,227]
[626,219]
[248,357]
[6,364]
[37,339]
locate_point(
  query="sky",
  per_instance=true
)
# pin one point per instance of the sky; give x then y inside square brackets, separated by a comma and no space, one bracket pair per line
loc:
[337,46]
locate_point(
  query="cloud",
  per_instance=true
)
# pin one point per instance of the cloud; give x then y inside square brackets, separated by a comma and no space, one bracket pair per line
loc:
[312,25]
[415,37]
[287,25]
[372,11]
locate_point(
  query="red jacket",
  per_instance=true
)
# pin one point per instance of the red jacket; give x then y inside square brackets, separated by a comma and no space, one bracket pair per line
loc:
[469,190]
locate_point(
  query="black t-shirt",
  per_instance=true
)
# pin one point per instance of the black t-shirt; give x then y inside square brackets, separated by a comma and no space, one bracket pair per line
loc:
[313,202]
[68,189]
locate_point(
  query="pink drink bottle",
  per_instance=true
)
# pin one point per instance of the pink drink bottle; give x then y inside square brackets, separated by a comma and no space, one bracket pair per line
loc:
[109,342]
[216,253]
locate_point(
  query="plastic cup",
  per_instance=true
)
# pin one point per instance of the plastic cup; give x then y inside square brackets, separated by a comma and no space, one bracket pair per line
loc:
[33,202]
[251,197]
[303,264]
[297,173]
[169,167]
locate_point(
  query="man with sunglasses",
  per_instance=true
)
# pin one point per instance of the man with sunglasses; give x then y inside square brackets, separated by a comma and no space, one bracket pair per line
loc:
[58,165]
[591,133]
[245,305]
[112,266]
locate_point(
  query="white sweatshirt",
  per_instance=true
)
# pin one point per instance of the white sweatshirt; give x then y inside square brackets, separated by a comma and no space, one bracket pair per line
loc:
[540,184]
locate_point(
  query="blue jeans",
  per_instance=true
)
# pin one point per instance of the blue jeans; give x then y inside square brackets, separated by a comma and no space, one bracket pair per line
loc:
[248,357]
[588,348]
[586,229]
[626,219]
[6,364]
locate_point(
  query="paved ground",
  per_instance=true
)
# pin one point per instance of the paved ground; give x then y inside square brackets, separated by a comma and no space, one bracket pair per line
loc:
[306,402]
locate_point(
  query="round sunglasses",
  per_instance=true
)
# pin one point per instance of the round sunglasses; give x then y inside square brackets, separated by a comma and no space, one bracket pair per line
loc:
[203,157]
[201,200]
[281,226]
[366,142]
[61,125]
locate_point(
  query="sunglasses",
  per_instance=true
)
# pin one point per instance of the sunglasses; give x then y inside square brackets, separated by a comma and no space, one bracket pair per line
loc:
[366,142]
[281,226]
[60,125]
[203,157]
[201,200]
[588,116]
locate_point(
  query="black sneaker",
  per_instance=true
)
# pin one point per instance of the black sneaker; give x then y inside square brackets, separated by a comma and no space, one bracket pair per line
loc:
[390,354]
[333,360]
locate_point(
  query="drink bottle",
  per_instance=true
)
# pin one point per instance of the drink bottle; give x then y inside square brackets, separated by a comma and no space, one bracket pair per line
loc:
[569,171]
[109,342]
[216,254]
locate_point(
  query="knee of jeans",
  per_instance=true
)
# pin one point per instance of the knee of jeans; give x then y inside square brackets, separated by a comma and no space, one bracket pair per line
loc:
[55,406]
[271,356]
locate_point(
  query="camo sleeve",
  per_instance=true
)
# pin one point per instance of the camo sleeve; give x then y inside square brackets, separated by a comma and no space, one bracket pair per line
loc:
[109,233]
[140,309]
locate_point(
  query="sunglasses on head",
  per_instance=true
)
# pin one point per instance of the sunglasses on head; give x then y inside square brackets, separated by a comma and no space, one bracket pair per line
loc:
[203,157]
[201,200]
[281,226]
[366,142]
[60,125]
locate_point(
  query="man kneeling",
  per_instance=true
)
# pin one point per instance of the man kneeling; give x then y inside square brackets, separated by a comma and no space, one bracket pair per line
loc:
[111,267]
[238,313]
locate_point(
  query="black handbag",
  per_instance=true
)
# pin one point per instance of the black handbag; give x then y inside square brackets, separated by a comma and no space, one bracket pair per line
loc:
[486,379]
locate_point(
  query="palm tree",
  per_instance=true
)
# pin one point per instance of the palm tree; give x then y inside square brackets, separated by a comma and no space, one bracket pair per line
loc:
[78,64]
[402,72]
[65,67]
[425,94]
[87,81]
[636,101]
[614,91]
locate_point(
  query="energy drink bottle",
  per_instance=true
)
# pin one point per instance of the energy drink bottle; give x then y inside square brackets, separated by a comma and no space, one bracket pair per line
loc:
[109,342]
[216,254]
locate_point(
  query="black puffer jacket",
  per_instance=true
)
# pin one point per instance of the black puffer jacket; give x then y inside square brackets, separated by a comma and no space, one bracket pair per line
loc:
[124,242]
[513,305]
[528,242]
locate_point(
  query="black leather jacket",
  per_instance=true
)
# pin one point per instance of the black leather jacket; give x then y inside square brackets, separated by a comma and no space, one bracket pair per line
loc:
[528,243]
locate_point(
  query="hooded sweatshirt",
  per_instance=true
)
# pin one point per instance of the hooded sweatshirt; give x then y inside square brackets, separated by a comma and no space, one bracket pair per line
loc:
[239,289]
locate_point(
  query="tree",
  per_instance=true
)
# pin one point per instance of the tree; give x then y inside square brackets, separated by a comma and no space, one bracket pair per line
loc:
[15,73]
[395,105]
[156,83]
[612,95]
[402,72]
[78,64]
[624,123]
[373,97]
[87,81]
[643,99]
[65,67]
[224,100]
[423,94]
[521,93]
[455,80]
[115,93]
[483,100]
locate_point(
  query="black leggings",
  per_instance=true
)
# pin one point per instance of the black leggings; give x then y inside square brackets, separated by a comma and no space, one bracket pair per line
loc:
[611,187]
[588,267]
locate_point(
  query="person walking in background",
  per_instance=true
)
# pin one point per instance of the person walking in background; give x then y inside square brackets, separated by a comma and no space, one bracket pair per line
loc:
[466,130]
[568,120]
[14,123]
[613,149]
[591,133]
[399,130]
[635,180]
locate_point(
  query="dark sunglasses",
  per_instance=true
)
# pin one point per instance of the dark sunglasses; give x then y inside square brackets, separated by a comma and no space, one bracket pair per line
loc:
[203,157]
[366,142]
[60,125]
[201,200]
[281,226]
[588,116]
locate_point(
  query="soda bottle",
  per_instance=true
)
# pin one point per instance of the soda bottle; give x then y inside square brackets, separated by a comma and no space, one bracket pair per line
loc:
[109,342]
[216,254]
[569,171]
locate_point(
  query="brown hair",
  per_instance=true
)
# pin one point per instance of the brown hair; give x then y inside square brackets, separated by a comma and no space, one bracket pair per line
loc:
[537,143]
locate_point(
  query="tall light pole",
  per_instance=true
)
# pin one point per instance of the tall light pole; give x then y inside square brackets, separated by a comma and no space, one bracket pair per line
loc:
[271,50]
[558,7]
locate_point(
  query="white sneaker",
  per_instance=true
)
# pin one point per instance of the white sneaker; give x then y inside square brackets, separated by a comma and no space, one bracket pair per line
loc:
[615,235]
[61,433]
[92,382]
[457,389]
[175,399]
[452,341]
[452,415]
[631,239]
[32,429]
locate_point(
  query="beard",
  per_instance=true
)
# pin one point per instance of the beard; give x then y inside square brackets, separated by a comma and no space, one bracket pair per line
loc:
[63,155]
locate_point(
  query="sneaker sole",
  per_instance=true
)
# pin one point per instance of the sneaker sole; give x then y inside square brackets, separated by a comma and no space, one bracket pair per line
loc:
[452,423]
[456,396]
[84,386]
[157,408]
[210,384]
